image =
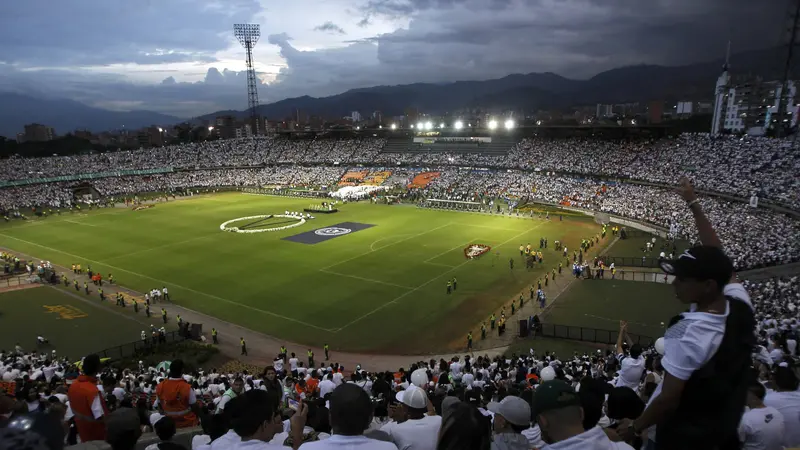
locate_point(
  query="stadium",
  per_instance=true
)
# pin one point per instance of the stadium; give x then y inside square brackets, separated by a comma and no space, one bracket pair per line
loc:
[365,252]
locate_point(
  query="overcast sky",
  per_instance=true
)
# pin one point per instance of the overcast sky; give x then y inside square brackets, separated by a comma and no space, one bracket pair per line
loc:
[180,56]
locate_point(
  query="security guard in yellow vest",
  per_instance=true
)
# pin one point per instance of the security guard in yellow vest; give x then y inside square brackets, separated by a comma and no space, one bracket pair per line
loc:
[283,353]
[214,336]
[244,346]
[327,352]
[310,358]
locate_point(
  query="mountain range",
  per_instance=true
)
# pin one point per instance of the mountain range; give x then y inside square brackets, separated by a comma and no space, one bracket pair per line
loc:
[528,92]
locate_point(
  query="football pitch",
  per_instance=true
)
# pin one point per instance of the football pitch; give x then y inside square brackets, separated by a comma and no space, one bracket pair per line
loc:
[380,287]
[74,325]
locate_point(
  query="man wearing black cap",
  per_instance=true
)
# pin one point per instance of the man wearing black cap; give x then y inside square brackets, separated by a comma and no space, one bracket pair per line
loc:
[707,350]
[558,412]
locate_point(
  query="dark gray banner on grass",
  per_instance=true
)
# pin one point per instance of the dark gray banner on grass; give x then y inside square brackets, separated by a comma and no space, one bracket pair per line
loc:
[330,232]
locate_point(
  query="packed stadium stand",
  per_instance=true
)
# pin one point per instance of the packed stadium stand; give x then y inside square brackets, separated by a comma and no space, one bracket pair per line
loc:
[523,393]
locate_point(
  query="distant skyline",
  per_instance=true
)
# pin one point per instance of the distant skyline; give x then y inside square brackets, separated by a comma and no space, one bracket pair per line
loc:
[180,57]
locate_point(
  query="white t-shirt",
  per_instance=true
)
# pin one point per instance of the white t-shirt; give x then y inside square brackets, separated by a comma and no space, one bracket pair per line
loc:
[762,429]
[534,436]
[420,434]
[278,364]
[325,387]
[788,404]
[348,443]
[630,372]
[292,364]
[694,340]
[255,445]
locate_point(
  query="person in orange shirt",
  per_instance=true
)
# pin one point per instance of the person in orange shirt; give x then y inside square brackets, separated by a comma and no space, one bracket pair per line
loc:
[312,384]
[88,406]
[176,398]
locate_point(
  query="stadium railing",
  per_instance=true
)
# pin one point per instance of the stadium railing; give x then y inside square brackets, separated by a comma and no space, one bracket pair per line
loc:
[139,347]
[14,280]
[631,261]
[584,334]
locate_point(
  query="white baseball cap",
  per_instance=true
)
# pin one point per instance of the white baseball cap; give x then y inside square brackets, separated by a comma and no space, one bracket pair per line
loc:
[413,397]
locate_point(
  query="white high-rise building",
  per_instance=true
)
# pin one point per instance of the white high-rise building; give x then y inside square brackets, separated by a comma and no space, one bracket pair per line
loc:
[719,96]
[355,116]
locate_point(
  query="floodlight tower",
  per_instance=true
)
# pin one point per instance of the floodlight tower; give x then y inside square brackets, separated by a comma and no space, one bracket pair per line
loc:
[248,34]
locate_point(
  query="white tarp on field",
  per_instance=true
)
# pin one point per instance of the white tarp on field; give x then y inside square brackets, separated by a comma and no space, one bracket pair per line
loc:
[356,192]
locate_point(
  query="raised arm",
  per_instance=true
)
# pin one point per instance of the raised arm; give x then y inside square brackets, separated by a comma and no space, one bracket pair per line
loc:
[704,228]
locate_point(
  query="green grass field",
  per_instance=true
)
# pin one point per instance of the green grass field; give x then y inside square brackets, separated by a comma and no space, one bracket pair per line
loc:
[74,325]
[381,289]
[603,303]
[633,247]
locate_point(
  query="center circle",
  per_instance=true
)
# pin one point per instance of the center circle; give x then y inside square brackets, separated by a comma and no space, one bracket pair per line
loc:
[332,231]
[225,225]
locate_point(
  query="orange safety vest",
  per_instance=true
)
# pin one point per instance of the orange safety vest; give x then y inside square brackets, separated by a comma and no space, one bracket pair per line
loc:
[173,398]
[81,395]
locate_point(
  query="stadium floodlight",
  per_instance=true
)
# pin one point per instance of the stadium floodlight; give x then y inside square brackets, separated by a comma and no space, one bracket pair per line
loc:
[248,34]
[492,124]
[538,122]
[210,128]
[160,130]
[441,125]
[428,125]
[411,126]
[509,124]
[420,125]
[459,125]
[380,127]
[358,128]
[394,126]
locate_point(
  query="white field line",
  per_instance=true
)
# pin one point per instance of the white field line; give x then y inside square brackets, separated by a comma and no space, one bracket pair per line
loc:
[387,245]
[81,223]
[488,227]
[438,264]
[370,280]
[618,320]
[471,241]
[168,283]
[403,295]
[48,221]
[160,247]
[372,246]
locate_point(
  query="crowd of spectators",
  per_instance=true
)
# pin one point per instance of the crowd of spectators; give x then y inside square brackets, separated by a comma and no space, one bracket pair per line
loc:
[740,166]
[755,237]
[508,391]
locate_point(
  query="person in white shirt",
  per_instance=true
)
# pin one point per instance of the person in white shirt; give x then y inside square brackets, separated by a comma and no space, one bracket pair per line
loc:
[278,364]
[762,427]
[350,414]
[326,386]
[560,418]
[632,366]
[257,420]
[786,399]
[420,430]
[698,406]
[293,365]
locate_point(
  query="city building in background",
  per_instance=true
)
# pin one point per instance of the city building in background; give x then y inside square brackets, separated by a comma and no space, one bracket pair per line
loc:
[36,132]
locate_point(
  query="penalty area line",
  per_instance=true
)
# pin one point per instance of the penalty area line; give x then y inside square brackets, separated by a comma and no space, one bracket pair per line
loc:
[403,295]
[369,280]
[168,283]
[387,245]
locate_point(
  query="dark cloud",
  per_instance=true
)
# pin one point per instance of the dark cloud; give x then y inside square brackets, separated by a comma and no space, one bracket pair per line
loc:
[89,32]
[330,27]
[423,41]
